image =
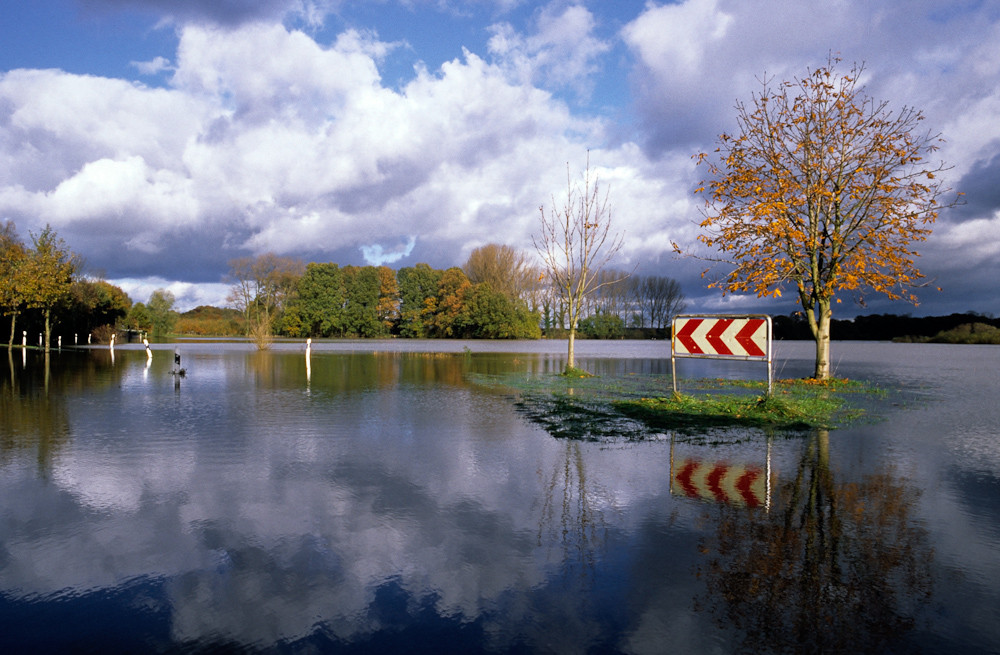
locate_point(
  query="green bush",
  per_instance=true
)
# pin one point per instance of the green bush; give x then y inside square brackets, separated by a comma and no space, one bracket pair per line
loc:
[602,326]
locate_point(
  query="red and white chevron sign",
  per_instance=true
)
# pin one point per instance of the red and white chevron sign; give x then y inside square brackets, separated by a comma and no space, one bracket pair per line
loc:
[721,482]
[721,336]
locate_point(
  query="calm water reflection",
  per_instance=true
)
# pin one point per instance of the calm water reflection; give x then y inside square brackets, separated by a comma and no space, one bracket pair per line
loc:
[378,501]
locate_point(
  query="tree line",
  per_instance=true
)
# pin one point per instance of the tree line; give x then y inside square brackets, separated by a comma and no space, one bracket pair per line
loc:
[882,327]
[40,286]
[43,286]
[497,294]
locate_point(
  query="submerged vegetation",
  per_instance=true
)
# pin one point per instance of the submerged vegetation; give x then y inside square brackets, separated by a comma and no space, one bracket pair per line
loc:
[645,407]
[781,411]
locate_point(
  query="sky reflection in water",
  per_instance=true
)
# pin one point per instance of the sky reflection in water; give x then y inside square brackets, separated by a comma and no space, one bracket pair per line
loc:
[383,501]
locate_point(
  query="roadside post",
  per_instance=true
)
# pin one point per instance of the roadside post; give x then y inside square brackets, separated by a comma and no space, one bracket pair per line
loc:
[745,337]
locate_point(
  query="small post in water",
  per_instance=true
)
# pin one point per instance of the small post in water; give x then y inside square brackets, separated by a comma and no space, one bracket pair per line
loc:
[308,361]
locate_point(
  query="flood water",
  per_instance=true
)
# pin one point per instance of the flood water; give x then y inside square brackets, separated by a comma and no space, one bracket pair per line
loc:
[377,498]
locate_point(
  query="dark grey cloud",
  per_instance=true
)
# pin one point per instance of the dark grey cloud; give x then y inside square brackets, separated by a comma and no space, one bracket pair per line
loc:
[980,187]
[221,12]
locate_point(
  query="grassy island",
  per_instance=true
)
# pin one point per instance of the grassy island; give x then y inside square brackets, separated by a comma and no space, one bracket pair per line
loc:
[639,407]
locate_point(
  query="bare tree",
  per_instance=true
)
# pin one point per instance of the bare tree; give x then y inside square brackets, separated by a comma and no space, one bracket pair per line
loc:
[575,244]
[537,294]
[259,288]
[612,298]
[638,311]
[663,299]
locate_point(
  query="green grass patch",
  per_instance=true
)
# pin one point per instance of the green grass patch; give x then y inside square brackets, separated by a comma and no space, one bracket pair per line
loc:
[573,372]
[684,411]
[641,407]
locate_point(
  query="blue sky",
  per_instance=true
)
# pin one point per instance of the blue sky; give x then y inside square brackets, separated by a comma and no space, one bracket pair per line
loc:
[162,138]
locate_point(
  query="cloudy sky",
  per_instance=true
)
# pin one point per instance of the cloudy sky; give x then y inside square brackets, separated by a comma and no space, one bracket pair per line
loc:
[162,138]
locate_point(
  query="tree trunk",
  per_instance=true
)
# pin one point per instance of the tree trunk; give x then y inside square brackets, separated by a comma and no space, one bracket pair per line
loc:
[822,336]
[570,357]
[48,328]
[13,324]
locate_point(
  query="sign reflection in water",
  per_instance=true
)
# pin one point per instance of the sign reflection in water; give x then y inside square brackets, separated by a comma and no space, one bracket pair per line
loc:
[390,504]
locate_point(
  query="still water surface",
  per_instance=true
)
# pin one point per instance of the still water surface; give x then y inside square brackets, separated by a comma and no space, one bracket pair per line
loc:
[379,500]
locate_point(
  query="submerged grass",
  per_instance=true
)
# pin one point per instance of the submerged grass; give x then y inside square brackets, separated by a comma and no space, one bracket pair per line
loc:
[712,410]
[641,407]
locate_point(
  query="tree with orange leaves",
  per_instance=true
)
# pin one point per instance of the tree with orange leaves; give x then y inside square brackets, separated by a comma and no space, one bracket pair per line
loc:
[824,189]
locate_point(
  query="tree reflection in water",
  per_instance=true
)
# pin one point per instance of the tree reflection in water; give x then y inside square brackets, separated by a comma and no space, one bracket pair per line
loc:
[571,519]
[834,567]
[31,419]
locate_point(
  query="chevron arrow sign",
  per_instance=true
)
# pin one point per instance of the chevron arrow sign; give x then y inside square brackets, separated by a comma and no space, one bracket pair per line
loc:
[708,336]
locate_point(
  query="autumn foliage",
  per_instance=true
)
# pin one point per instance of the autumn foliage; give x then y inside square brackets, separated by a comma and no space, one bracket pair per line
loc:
[824,190]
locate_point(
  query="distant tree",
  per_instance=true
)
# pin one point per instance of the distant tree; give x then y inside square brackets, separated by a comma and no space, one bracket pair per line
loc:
[660,299]
[387,308]
[138,318]
[361,305]
[613,295]
[96,303]
[981,333]
[259,288]
[824,189]
[48,275]
[537,292]
[505,269]
[575,244]
[489,314]
[207,320]
[318,304]
[161,311]
[418,290]
[450,303]
[603,326]
[12,258]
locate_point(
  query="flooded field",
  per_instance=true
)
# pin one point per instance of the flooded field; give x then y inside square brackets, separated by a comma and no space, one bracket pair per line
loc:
[374,497]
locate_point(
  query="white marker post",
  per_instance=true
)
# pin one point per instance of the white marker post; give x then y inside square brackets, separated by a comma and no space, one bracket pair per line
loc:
[177,371]
[308,359]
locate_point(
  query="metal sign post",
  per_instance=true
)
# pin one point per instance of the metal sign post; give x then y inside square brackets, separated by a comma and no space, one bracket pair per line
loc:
[745,337]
